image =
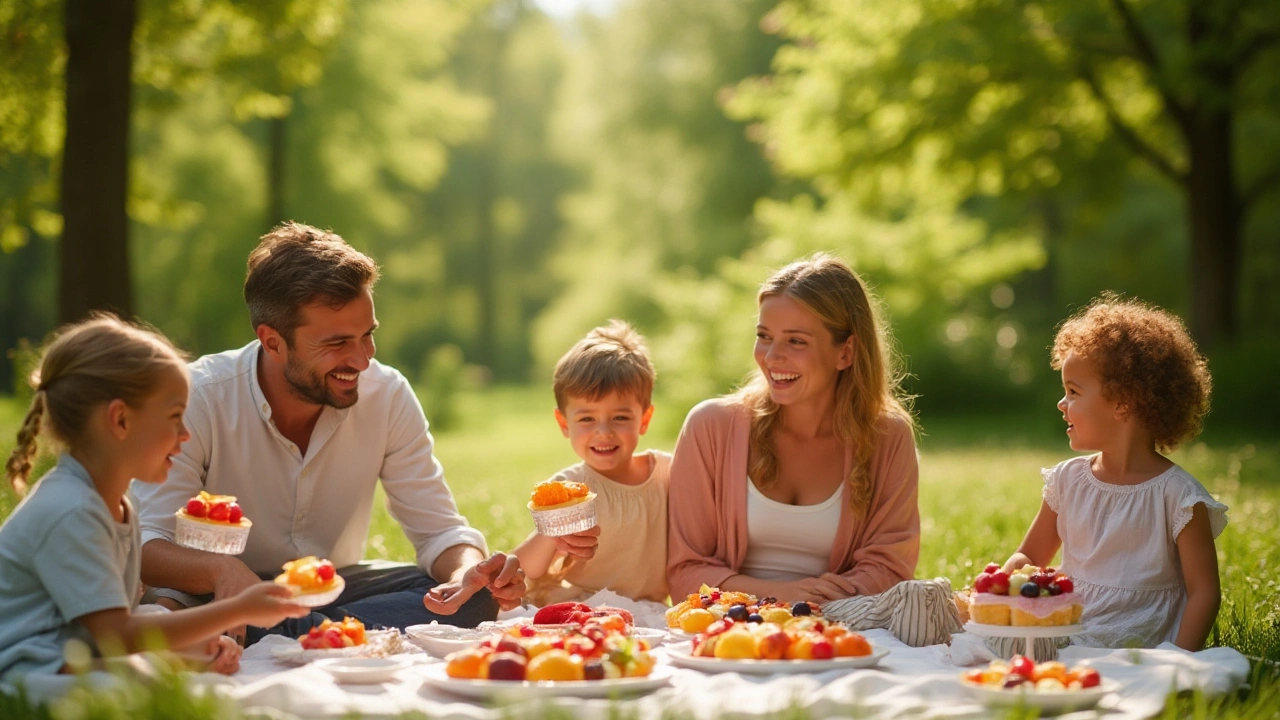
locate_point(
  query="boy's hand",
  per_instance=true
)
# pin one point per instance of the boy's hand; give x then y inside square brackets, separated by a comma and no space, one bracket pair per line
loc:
[581,544]
[500,573]
[226,655]
[267,603]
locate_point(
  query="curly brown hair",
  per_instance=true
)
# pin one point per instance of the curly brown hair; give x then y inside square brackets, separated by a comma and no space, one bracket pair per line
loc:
[1146,360]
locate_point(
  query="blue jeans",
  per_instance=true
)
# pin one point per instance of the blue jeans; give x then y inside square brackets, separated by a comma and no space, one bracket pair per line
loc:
[383,594]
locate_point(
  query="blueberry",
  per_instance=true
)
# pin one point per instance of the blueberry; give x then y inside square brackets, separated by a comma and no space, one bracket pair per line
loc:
[771,600]
[801,608]
[1029,590]
[738,613]
[755,618]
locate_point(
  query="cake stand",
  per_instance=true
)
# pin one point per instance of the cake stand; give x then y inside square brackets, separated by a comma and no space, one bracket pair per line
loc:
[1030,632]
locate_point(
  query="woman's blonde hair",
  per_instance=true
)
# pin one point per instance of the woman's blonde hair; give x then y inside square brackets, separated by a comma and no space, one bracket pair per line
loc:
[86,365]
[866,391]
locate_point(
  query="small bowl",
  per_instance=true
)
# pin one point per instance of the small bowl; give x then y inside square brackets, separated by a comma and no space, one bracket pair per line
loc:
[224,539]
[361,670]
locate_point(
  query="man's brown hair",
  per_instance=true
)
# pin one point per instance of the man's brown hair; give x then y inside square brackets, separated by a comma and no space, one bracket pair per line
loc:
[297,264]
[609,359]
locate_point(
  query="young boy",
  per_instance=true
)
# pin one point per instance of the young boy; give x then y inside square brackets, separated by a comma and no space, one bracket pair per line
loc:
[603,387]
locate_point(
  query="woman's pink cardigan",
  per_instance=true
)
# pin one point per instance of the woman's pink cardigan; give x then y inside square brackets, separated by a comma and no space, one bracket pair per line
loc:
[707,508]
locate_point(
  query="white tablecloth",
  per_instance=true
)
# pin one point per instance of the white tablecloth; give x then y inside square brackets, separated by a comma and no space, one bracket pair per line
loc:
[922,682]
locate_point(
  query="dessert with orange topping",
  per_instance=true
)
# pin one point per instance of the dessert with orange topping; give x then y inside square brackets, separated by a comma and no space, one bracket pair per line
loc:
[314,581]
[331,635]
[599,649]
[562,507]
[213,523]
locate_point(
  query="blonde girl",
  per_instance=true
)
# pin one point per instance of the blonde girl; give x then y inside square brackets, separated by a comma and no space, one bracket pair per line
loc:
[1136,530]
[801,486]
[113,395]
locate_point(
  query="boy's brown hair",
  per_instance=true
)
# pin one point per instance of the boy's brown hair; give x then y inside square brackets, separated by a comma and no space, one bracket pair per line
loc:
[1146,361]
[611,358]
[297,264]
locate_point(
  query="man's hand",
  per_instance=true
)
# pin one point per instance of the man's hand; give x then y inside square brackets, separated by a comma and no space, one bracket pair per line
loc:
[580,545]
[230,579]
[500,573]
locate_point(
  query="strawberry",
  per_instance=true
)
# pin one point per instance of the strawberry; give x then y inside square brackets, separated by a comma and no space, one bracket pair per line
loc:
[234,513]
[333,638]
[982,583]
[1000,583]
[991,569]
[196,508]
[1021,665]
[1089,678]
[220,512]
[1065,584]
[559,613]
[325,571]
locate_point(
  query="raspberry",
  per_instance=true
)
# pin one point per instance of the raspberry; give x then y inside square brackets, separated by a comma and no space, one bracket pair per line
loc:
[196,508]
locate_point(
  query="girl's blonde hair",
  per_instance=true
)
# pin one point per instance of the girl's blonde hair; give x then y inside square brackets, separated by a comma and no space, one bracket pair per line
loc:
[86,365]
[866,391]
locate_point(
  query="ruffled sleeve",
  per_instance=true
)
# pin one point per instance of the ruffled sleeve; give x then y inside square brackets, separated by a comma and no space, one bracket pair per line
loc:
[1050,492]
[1192,494]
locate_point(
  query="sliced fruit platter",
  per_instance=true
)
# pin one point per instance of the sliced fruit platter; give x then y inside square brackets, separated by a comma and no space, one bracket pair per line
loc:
[1047,685]
[699,610]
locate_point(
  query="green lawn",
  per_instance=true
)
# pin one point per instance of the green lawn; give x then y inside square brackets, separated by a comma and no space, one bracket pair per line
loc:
[979,488]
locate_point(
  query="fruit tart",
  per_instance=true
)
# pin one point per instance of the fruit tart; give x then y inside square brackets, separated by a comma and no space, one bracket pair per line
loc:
[314,581]
[1029,596]
[804,637]
[562,507]
[1023,673]
[213,523]
[331,635]
[699,610]
[599,649]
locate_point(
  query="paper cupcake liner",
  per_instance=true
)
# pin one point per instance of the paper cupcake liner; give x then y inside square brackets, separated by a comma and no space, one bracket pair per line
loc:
[224,539]
[566,520]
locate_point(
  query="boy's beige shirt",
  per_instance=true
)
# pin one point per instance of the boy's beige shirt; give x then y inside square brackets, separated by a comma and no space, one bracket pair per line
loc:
[631,559]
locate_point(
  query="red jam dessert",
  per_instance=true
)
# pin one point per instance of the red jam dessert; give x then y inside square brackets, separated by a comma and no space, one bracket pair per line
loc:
[330,635]
[697,612]
[1029,596]
[213,523]
[576,613]
[1023,673]
[314,581]
[562,507]
[600,649]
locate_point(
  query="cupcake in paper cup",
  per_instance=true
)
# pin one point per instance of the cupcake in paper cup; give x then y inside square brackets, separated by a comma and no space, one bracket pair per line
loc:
[213,523]
[562,507]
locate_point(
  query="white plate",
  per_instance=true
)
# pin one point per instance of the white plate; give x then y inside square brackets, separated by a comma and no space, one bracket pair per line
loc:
[359,670]
[294,653]
[1027,696]
[435,676]
[317,599]
[1022,631]
[440,640]
[655,636]
[680,655]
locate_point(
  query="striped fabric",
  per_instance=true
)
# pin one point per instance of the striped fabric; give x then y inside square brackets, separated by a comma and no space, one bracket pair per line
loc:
[917,612]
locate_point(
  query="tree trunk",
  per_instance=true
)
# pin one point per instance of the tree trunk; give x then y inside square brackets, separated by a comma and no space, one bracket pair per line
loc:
[1215,217]
[277,137]
[94,259]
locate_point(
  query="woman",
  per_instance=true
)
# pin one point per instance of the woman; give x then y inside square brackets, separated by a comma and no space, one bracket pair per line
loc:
[801,485]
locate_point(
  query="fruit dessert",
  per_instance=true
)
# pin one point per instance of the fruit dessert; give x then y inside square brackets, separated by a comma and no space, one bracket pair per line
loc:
[1024,674]
[599,649]
[213,523]
[576,613]
[562,507]
[695,613]
[804,637]
[1029,596]
[314,581]
[330,635]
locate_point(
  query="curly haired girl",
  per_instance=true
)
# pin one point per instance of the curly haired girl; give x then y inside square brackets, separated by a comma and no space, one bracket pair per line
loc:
[1136,530]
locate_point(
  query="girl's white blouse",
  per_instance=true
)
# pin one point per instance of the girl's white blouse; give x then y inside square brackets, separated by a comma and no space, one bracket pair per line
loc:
[1119,543]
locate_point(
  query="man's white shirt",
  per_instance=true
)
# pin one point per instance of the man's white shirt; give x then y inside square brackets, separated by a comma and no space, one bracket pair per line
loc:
[317,504]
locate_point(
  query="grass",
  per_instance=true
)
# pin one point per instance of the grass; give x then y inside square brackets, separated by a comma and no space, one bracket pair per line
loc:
[979,488]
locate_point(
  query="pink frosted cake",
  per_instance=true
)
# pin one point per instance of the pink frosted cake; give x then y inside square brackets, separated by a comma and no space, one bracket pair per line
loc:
[1029,596]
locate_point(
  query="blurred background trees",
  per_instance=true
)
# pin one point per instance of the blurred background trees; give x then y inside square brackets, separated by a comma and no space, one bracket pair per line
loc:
[987,166]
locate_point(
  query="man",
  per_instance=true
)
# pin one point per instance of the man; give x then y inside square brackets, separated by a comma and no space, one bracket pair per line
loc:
[300,425]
